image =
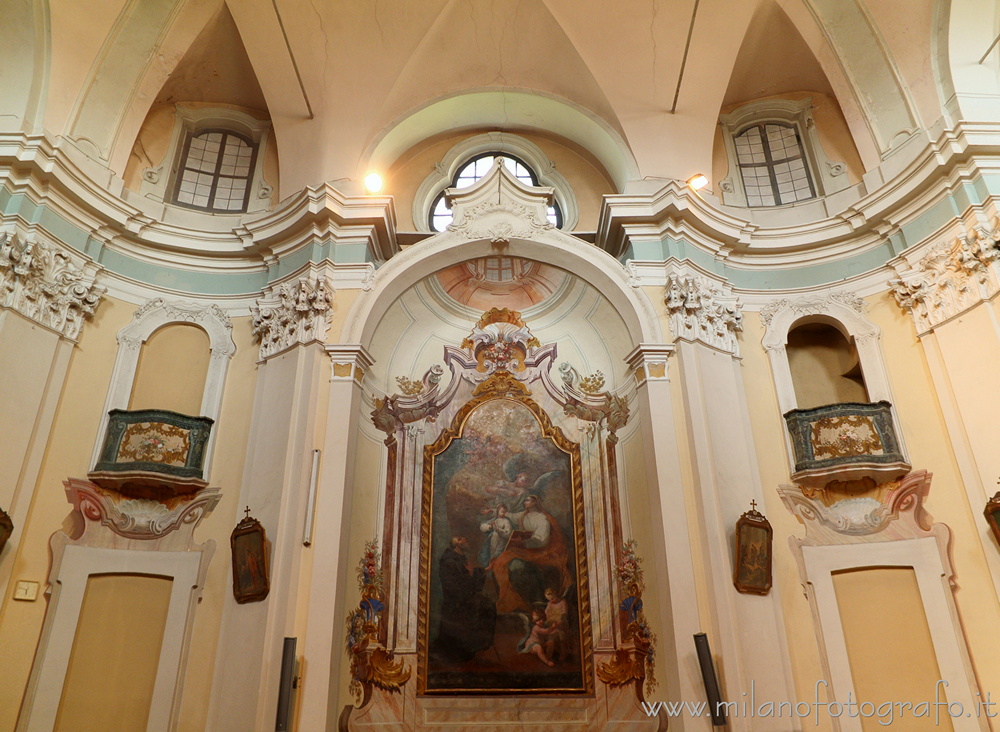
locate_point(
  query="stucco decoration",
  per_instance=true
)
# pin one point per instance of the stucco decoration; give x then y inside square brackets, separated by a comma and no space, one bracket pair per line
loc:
[949,279]
[293,313]
[45,284]
[500,208]
[702,311]
[139,518]
[898,514]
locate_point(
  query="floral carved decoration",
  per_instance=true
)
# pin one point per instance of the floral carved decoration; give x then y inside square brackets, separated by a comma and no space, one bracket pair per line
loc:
[635,665]
[702,311]
[298,312]
[845,436]
[949,279]
[371,665]
[44,284]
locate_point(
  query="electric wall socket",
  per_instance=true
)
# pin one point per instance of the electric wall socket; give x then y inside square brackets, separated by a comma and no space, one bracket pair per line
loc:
[26,590]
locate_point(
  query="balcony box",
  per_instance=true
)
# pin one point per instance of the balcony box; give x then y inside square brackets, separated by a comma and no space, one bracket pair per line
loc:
[843,442]
[153,453]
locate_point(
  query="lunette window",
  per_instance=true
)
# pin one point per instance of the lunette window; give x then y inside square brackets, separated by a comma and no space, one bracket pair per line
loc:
[473,170]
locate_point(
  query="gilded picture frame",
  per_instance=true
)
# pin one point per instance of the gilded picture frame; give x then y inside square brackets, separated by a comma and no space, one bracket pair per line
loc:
[248,542]
[507,617]
[752,564]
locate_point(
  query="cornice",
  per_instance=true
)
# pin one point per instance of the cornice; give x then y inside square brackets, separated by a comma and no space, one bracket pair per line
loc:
[52,173]
[955,156]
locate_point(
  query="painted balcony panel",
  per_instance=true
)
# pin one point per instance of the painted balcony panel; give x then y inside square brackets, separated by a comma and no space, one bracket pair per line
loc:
[846,441]
[153,453]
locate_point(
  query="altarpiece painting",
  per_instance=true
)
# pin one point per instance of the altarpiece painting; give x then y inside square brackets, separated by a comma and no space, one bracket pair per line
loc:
[502,611]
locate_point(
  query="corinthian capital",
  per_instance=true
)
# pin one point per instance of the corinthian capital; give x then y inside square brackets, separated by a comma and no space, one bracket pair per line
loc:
[43,283]
[295,313]
[703,311]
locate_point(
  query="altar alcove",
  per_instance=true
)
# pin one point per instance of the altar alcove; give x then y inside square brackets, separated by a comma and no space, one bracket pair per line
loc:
[499,476]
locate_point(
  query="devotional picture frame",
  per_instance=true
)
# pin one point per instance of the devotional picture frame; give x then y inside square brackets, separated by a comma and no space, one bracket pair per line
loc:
[992,514]
[752,565]
[480,603]
[248,542]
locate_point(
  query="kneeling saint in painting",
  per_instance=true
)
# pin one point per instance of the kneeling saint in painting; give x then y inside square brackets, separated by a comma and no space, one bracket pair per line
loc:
[502,609]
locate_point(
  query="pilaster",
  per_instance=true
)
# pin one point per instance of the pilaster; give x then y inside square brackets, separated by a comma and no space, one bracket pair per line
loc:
[326,606]
[748,633]
[290,320]
[678,612]
[46,295]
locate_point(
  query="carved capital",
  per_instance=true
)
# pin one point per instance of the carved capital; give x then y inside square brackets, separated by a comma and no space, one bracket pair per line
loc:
[702,311]
[43,283]
[948,280]
[295,313]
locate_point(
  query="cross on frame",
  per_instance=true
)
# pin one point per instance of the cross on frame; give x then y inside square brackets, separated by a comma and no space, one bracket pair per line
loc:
[753,505]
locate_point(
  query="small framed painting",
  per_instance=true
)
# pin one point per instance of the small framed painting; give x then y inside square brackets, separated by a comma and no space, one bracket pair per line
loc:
[249,549]
[752,566]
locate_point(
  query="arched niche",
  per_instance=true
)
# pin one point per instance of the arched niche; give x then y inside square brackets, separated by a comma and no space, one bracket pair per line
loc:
[844,312]
[157,384]
[146,321]
[824,363]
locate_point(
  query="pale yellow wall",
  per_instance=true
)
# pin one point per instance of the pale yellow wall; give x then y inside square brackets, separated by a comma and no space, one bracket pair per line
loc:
[171,372]
[587,179]
[897,666]
[112,668]
[834,136]
[74,433]
[819,357]
[929,446]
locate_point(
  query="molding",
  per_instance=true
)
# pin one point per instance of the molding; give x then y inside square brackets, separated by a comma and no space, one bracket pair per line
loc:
[46,284]
[120,537]
[293,313]
[701,310]
[949,279]
[865,533]
[792,236]
[500,143]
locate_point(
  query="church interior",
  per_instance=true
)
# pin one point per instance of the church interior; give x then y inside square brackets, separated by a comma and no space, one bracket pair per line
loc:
[499,365]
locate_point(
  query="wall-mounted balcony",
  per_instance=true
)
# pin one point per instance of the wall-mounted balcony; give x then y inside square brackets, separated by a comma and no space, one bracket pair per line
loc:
[846,441]
[153,453]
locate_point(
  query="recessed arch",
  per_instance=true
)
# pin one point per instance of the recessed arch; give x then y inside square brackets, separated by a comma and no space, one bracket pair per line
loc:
[448,248]
[517,109]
